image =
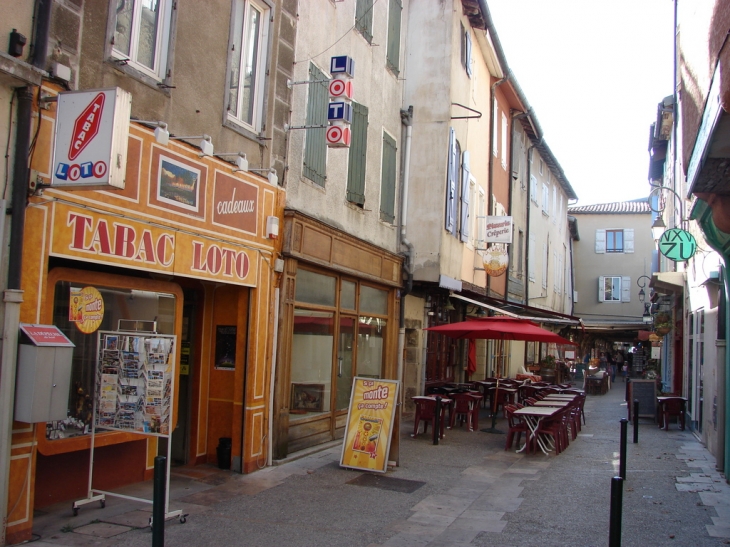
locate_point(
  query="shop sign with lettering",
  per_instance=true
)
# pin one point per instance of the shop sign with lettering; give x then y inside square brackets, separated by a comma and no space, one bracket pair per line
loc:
[498,230]
[90,141]
[85,235]
[677,244]
[235,203]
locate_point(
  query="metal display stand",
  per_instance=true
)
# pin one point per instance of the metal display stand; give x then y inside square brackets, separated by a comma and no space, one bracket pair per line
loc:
[134,393]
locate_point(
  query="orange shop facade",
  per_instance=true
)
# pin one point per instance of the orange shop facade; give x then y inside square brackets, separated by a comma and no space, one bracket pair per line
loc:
[181,250]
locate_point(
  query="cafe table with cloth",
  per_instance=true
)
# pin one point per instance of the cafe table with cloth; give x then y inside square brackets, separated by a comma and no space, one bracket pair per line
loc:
[533,416]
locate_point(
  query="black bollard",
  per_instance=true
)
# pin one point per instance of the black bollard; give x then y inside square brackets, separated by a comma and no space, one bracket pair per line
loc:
[437,424]
[614,533]
[158,502]
[622,449]
[636,421]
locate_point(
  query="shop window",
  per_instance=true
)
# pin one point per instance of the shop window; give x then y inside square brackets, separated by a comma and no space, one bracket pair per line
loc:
[142,35]
[347,295]
[122,309]
[373,300]
[314,288]
[311,378]
[370,340]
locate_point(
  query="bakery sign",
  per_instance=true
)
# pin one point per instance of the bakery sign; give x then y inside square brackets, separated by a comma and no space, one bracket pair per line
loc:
[90,142]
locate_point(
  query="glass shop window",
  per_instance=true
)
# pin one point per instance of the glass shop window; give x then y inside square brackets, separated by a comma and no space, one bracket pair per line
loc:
[143,310]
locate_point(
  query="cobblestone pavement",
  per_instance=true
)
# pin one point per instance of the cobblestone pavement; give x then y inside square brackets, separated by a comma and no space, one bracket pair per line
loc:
[467,491]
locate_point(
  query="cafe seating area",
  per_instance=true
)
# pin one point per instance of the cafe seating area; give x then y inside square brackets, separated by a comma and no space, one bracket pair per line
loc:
[538,415]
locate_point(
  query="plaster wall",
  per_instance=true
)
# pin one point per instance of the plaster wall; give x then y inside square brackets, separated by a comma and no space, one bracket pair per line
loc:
[589,265]
[326,29]
[549,231]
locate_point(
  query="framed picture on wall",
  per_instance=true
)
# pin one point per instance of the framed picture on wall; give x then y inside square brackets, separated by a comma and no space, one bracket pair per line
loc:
[307,398]
[225,347]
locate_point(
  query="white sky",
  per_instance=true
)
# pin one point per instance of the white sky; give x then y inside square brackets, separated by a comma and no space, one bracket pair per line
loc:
[594,71]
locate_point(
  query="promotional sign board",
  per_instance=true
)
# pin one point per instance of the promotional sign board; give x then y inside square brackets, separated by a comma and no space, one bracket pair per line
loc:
[498,230]
[677,244]
[90,143]
[369,424]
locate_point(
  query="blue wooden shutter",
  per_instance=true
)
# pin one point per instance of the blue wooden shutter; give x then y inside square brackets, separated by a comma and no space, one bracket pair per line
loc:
[450,217]
[395,7]
[358,151]
[468,53]
[387,181]
[465,213]
[315,148]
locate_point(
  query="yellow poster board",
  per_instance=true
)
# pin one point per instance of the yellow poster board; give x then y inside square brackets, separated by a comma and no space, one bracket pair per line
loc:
[369,424]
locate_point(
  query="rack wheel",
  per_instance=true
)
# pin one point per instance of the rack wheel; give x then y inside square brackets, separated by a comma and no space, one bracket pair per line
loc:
[183,519]
[102,503]
[150,522]
[75,511]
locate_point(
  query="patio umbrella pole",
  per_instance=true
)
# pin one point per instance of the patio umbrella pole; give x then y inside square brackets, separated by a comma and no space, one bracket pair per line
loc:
[494,429]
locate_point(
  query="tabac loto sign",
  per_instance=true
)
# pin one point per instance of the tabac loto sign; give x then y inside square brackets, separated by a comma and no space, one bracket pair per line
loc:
[90,143]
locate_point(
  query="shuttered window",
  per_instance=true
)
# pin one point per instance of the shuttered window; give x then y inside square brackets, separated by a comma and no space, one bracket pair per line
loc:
[614,289]
[358,151]
[451,177]
[465,213]
[395,7]
[387,180]
[315,146]
[531,258]
[364,18]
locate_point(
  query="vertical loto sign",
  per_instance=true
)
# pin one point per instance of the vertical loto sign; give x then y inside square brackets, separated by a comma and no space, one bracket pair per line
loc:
[339,111]
[90,143]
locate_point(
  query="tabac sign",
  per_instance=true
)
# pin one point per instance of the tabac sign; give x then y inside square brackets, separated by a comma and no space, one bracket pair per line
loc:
[90,144]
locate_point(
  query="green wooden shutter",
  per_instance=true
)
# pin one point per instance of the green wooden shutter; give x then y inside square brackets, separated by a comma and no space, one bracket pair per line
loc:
[315,147]
[358,151]
[394,19]
[387,181]
[364,18]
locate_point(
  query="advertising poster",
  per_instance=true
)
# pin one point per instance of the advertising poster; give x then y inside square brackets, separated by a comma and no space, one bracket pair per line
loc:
[369,424]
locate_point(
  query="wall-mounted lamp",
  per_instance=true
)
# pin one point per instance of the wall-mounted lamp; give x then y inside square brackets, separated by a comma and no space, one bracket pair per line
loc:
[162,135]
[658,228]
[272,176]
[241,161]
[205,144]
[642,284]
[481,312]
[448,306]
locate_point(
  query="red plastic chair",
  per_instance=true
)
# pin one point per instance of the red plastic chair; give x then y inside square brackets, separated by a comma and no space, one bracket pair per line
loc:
[463,409]
[426,413]
[516,425]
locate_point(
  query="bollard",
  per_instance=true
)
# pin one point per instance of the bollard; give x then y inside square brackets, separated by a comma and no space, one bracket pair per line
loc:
[158,502]
[614,533]
[622,449]
[636,421]
[437,422]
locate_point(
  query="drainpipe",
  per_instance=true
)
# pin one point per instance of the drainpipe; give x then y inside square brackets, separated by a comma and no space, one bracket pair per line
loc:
[407,120]
[13,296]
[490,204]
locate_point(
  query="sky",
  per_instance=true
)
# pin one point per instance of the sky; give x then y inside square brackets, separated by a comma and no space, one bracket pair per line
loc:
[594,72]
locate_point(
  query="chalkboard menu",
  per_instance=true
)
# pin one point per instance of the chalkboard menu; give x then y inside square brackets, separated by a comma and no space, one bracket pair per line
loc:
[645,392]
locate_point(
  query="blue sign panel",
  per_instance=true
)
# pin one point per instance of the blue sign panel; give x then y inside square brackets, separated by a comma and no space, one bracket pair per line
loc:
[342,65]
[339,111]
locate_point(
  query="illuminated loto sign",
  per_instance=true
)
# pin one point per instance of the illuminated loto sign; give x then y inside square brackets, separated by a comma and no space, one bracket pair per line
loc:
[339,110]
[90,143]
[498,230]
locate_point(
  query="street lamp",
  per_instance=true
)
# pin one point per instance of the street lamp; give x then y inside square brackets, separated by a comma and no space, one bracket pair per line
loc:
[646,318]
[658,228]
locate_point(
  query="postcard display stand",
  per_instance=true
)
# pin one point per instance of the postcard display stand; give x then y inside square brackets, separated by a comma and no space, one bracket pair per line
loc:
[134,394]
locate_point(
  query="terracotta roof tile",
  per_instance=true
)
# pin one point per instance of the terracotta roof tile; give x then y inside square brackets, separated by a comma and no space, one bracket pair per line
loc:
[635,206]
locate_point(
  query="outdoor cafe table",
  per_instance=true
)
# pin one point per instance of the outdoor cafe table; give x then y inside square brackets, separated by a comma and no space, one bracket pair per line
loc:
[556,396]
[438,427]
[533,416]
[551,402]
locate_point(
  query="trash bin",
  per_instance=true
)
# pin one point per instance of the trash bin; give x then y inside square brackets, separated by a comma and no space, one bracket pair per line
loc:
[224,453]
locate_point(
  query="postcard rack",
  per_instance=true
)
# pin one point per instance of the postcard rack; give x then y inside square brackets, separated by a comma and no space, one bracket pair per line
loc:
[133,393]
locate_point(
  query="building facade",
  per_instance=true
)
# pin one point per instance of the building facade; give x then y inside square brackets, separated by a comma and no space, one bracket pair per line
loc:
[185,246]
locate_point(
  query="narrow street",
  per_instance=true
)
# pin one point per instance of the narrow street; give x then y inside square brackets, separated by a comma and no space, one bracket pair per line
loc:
[467,491]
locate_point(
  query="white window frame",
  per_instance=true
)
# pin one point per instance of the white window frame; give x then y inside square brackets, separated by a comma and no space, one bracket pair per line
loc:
[504,140]
[623,292]
[545,199]
[542,164]
[495,129]
[244,7]
[533,188]
[158,73]
[555,203]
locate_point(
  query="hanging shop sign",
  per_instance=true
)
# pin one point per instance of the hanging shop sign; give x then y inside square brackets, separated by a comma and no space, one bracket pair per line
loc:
[90,141]
[369,424]
[496,261]
[86,309]
[677,244]
[339,110]
[498,230]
